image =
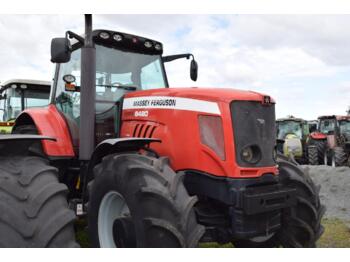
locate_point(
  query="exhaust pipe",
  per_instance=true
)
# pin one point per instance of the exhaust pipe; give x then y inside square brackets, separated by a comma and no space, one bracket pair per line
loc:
[87,94]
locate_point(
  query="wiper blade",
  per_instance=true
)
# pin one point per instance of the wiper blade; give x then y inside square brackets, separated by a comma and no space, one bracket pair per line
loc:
[126,87]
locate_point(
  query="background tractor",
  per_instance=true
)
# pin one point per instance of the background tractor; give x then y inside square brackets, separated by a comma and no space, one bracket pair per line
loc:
[336,138]
[150,166]
[292,134]
[19,94]
[312,125]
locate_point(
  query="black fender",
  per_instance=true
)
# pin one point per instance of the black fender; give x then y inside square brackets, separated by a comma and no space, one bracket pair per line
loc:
[115,145]
[18,144]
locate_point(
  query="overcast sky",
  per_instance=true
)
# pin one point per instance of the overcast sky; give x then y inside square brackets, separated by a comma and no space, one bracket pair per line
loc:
[302,61]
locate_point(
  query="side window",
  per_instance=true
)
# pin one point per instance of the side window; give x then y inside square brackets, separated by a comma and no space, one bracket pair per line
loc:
[152,76]
[2,103]
[306,129]
[67,101]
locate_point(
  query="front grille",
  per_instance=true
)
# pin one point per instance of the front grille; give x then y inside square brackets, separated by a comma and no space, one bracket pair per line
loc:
[254,124]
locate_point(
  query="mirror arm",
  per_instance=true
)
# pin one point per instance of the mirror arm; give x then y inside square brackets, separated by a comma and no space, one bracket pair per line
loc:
[71,35]
[174,57]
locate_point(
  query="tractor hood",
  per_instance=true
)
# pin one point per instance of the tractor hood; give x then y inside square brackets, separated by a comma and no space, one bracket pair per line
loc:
[208,94]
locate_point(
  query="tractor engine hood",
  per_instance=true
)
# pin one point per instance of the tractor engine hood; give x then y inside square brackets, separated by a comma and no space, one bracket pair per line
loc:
[208,94]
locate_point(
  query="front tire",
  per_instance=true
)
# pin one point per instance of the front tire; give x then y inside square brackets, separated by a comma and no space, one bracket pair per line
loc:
[312,155]
[33,206]
[301,224]
[151,205]
[321,148]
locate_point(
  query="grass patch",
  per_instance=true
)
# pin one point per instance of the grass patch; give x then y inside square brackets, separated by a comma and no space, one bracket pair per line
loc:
[81,233]
[336,235]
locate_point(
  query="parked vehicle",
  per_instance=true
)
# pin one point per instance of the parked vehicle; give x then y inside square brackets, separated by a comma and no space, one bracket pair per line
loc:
[17,95]
[334,131]
[150,166]
[292,134]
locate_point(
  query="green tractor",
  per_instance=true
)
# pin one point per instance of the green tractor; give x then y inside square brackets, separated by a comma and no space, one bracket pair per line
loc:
[292,134]
[17,95]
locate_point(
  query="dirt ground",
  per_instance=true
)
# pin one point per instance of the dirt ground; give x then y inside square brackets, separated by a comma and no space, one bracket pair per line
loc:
[335,189]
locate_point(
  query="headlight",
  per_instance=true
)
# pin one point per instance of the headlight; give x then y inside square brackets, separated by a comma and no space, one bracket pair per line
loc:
[251,154]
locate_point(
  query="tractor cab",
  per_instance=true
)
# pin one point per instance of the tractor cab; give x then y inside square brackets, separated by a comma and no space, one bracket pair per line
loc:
[344,126]
[295,126]
[124,63]
[336,132]
[291,137]
[327,124]
[334,125]
[17,95]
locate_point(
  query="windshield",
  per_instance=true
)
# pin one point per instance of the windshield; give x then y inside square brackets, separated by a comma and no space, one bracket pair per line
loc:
[117,72]
[31,98]
[288,127]
[327,125]
[344,126]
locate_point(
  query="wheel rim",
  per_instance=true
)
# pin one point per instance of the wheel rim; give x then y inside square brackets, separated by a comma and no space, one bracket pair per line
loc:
[112,207]
[261,239]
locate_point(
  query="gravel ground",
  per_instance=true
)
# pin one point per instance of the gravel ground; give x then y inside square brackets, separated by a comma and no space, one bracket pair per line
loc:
[335,189]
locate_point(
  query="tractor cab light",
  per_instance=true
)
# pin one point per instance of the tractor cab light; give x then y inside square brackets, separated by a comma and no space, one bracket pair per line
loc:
[23,86]
[266,100]
[148,44]
[158,46]
[134,40]
[104,35]
[14,86]
[117,37]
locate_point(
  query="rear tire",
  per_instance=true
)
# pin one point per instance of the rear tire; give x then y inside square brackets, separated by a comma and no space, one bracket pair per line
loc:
[340,157]
[33,206]
[156,208]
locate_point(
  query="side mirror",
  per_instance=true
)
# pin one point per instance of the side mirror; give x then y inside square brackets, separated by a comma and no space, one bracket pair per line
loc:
[60,50]
[194,70]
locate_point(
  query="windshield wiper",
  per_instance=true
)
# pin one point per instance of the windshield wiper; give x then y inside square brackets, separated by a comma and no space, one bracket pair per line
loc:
[125,87]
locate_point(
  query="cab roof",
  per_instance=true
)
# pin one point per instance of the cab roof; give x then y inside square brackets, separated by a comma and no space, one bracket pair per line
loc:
[290,119]
[26,81]
[337,117]
[31,82]
[125,42]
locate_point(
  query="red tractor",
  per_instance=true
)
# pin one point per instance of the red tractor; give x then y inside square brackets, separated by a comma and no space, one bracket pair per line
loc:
[150,166]
[333,140]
